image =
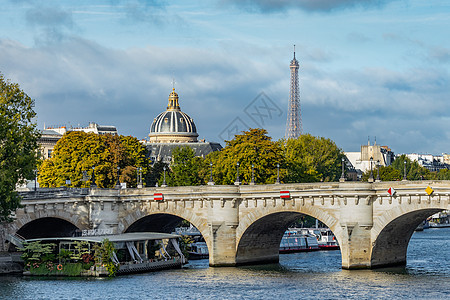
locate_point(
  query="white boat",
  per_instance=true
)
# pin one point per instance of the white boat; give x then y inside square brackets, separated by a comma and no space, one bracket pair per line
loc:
[294,241]
[440,220]
[308,239]
[197,248]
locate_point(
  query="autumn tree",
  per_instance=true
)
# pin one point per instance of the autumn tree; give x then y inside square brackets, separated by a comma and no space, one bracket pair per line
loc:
[311,159]
[100,157]
[251,147]
[18,144]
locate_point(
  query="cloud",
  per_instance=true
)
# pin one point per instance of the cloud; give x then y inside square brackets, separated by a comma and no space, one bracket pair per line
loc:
[79,81]
[270,6]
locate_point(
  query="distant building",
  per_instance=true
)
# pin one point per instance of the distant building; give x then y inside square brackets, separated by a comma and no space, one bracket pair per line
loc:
[370,154]
[173,128]
[433,163]
[51,135]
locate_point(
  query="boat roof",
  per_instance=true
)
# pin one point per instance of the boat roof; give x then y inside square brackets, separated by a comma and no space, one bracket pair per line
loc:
[124,237]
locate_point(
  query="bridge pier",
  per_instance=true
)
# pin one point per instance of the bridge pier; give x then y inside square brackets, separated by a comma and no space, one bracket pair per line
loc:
[224,216]
[356,215]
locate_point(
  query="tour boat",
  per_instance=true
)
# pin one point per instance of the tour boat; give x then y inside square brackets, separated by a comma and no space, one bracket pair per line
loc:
[325,238]
[133,252]
[440,219]
[294,241]
[197,248]
[308,239]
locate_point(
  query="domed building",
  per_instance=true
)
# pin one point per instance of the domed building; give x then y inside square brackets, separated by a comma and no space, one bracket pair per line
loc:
[173,128]
[173,125]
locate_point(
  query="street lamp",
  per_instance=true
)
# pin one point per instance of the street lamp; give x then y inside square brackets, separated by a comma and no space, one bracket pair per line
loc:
[378,171]
[237,182]
[93,178]
[371,173]
[164,181]
[118,179]
[278,174]
[404,170]
[253,175]
[342,179]
[35,179]
[211,182]
[139,177]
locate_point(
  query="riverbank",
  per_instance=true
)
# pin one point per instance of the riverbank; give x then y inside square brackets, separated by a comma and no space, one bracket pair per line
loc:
[10,264]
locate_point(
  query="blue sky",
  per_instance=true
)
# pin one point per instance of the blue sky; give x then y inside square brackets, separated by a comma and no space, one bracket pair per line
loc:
[367,68]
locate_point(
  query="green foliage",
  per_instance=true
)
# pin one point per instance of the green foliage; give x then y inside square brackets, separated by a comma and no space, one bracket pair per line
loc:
[156,173]
[312,159]
[65,256]
[35,252]
[72,269]
[185,168]
[443,174]
[81,248]
[103,256]
[18,144]
[250,147]
[413,170]
[386,174]
[78,151]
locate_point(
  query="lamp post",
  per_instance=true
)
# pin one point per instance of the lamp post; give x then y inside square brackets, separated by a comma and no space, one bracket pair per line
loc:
[237,182]
[342,179]
[118,179]
[378,171]
[35,179]
[93,178]
[278,174]
[371,173]
[253,175]
[404,170]
[139,178]
[211,181]
[164,181]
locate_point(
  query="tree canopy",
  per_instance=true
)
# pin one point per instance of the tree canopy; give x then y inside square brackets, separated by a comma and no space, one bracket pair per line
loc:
[311,159]
[251,147]
[100,157]
[18,144]
[186,168]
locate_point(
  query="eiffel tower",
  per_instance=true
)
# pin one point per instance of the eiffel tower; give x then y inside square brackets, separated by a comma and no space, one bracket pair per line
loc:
[294,118]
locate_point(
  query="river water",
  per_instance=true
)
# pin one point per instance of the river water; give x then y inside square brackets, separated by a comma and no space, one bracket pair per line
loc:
[313,275]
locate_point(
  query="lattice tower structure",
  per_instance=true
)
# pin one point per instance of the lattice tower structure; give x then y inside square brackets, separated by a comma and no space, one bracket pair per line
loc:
[294,117]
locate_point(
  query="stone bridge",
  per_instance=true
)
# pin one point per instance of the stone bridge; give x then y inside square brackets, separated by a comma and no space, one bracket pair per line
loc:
[245,224]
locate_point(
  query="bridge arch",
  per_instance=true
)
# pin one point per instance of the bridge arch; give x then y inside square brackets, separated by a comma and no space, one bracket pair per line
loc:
[259,233]
[140,220]
[392,232]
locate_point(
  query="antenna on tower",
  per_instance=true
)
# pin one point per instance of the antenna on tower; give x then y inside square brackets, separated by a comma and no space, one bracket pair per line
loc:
[294,51]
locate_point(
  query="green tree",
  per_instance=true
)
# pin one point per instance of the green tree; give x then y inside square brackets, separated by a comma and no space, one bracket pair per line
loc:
[155,173]
[386,174]
[414,171]
[311,159]
[18,144]
[185,168]
[443,174]
[251,147]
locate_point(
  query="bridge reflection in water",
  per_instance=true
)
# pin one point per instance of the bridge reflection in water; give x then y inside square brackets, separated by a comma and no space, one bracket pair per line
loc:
[245,224]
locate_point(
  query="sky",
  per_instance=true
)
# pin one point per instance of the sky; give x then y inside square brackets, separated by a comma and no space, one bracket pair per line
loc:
[368,69]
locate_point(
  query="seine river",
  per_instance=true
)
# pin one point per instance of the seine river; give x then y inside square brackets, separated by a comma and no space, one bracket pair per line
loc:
[314,275]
